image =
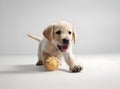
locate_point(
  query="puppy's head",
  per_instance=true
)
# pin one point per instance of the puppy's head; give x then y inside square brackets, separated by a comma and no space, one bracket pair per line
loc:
[61,34]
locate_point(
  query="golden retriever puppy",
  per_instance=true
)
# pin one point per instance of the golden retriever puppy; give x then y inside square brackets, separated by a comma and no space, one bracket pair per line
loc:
[57,42]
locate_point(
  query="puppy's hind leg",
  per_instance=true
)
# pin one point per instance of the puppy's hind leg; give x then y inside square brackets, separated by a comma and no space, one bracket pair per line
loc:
[39,62]
[40,57]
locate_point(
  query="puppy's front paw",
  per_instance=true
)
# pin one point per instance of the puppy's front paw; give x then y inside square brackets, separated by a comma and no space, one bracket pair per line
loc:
[76,68]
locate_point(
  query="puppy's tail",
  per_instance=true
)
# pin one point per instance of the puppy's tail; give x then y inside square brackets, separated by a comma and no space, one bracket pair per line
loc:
[34,37]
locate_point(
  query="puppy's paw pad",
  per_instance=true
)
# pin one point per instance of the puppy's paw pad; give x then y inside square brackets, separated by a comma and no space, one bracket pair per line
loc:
[76,68]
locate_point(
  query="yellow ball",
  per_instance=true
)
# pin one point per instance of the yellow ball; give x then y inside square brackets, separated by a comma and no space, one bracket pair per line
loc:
[52,63]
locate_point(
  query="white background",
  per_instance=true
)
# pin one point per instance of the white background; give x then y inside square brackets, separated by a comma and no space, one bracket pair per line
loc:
[97,23]
[98,26]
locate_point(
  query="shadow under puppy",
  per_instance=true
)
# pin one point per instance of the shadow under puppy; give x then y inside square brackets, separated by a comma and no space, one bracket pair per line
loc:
[57,42]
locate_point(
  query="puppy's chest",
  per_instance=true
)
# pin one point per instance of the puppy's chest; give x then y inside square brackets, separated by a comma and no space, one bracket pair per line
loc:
[53,51]
[50,48]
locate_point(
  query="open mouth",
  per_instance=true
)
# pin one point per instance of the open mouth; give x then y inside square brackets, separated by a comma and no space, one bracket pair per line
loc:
[62,48]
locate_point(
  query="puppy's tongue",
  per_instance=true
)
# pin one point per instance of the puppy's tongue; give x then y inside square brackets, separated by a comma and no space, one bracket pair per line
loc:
[63,48]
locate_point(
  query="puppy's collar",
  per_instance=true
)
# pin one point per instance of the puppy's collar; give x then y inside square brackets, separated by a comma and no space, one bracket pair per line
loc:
[57,50]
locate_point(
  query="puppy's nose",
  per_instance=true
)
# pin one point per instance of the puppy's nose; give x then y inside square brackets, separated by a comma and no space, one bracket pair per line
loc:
[65,41]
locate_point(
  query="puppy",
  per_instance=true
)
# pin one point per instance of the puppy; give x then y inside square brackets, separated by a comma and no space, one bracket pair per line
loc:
[57,42]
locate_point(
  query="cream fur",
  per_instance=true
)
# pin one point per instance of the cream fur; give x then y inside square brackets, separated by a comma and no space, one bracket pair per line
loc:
[48,45]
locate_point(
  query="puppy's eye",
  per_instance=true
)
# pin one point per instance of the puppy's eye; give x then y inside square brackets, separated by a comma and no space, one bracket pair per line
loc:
[58,32]
[69,32]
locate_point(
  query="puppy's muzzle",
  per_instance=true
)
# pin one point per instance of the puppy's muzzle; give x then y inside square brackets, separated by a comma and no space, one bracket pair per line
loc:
[65,41]
[64,46]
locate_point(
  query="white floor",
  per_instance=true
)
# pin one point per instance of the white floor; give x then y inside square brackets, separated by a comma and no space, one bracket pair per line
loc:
[100,72]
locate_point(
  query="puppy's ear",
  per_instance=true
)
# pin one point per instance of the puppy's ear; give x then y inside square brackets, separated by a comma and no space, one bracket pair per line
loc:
[74,35]
[48,32]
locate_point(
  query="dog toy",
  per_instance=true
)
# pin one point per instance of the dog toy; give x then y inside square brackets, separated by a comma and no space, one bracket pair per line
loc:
[52,63]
